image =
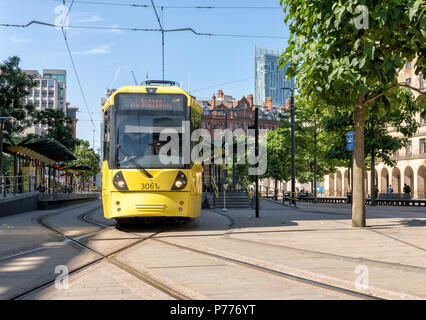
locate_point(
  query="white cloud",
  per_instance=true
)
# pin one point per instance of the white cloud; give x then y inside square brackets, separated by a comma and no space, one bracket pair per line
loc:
[117,31]
[90,19]
[16,39]
[100,50]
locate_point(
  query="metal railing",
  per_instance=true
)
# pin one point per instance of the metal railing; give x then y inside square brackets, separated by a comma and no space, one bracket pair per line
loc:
[17,184]
[12,185]
[215,188]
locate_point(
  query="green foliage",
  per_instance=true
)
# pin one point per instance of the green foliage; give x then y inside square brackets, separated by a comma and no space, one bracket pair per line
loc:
[58,124]
[338,62]
[6,163]
[279,155]
[310,145]
[377,140]
[14,88]
[85,156]
[14,85]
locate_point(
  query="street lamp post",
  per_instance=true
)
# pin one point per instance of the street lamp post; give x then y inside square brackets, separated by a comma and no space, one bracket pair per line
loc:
[293,168]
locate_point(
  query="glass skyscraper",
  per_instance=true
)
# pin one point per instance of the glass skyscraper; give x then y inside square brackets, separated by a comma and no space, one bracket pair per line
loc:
[269,79]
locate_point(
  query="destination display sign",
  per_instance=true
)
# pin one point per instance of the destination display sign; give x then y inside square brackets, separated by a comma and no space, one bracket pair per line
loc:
[142,101]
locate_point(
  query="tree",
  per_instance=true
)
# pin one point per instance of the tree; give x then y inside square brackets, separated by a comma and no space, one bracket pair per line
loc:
[278,161]
[379,144]
[14,86]
[58,126]
[85,157]
[310,142]
[348,53]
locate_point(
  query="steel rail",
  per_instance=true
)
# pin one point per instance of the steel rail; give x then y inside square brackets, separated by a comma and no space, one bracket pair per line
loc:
[108,258]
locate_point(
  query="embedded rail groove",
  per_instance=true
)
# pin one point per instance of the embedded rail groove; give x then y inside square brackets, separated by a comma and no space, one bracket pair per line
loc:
[275,272]
[108,258]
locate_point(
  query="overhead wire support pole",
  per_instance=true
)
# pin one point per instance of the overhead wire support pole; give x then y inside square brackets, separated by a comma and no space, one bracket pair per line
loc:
[162,32]
[256,154]
[293,167]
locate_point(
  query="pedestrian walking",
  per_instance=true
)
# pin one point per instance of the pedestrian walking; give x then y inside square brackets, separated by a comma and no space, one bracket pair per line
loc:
[390,190]
[407,189]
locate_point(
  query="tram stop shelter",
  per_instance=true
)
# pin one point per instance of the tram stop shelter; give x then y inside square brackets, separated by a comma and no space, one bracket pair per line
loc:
[37,163]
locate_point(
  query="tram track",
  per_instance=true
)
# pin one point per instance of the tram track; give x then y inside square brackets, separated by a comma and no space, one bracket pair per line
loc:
[28,250]
[263,269]
[110,258]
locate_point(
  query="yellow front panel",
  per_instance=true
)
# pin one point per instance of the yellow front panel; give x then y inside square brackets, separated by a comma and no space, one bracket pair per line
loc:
[161,202]
[150,204]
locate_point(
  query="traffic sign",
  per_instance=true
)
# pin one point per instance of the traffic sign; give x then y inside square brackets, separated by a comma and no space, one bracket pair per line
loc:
[350,140]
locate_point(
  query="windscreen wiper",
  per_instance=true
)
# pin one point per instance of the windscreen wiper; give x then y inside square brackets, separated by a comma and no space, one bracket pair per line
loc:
[135,163]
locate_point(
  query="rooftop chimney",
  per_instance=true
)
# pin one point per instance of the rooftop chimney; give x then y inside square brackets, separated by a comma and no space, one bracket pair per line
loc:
[269,104]
[214,101]
[220,95]
[287,104]
[250,100]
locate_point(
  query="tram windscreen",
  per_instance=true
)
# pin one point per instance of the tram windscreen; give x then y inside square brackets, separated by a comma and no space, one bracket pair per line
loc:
[140,119]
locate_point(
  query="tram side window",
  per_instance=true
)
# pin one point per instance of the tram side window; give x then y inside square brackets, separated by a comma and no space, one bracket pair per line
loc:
[195,124]
[106,135]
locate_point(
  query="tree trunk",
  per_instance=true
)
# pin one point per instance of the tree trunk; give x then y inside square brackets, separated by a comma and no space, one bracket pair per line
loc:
[358,197]
[1,147]
[373,181]
[276,190]
[315,165]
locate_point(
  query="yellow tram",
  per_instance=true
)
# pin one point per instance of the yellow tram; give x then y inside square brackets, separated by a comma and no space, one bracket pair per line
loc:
[146,171]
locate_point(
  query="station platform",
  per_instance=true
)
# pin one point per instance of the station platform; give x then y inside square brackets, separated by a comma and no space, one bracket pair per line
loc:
[13,204]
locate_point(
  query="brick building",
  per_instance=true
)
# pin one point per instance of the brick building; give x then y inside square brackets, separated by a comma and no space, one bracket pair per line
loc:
[223,112]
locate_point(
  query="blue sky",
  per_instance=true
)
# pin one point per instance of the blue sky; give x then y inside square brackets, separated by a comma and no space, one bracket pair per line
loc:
[98,54]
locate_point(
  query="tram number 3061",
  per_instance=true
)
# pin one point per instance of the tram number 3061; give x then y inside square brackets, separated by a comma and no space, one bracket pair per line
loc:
[150,186]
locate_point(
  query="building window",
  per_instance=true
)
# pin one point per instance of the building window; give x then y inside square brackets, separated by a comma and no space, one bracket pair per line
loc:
[408,82]
[396,154]
[44,93]
[37,103]
[51,83]
[36,93]
[408,65]
[43,104]
[51,94]
[44,83]
[422,145]
[409,148]
[50,104]
[422,82]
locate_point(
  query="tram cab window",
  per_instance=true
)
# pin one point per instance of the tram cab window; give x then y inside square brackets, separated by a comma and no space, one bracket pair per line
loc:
[139,125]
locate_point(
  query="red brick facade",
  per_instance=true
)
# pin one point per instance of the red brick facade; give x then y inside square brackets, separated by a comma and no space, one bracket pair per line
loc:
[240,114]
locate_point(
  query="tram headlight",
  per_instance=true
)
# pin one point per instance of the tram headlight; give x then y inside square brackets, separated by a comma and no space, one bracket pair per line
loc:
[180,181]
[119,181]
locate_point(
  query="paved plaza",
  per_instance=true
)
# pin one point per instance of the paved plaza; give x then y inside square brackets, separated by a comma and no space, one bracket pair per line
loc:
[315,242]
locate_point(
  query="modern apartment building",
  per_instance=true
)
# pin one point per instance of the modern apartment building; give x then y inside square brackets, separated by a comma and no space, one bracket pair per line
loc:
[49,92]
[269,79]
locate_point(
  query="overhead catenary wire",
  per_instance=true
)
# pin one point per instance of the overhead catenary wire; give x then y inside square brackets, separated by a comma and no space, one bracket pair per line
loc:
[223,84]
[143,30]
[75,70]
[135,5]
